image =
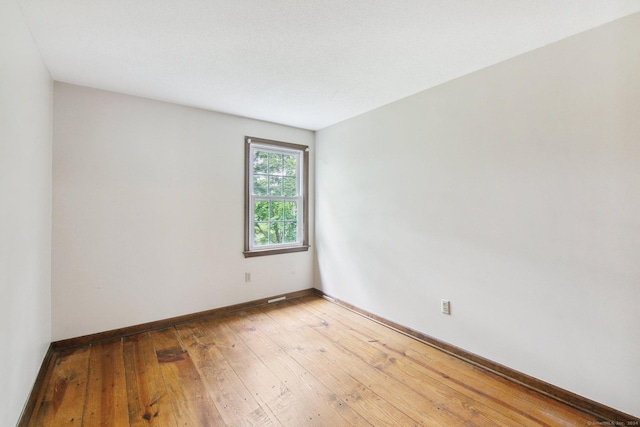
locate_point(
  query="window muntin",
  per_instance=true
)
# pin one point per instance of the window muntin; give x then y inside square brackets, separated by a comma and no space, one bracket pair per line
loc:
[276,199]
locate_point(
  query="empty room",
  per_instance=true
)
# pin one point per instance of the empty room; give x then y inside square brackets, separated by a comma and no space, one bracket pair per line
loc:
[399,213]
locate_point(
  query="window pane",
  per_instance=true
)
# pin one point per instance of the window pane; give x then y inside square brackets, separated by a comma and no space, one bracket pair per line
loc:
[275,164]
[261,236]
[275,186]
[290,211]
[290,232]
[260,162]
[290,187]
[275,210]
[289,165]
[260,185]
[277,193]
[276,230]
[261,211]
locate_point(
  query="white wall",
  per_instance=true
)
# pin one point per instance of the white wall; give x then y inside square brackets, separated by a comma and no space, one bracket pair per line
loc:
[26,97]
[515,193]
[148,212]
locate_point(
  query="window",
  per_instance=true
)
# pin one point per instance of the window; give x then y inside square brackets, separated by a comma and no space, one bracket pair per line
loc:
[276,197]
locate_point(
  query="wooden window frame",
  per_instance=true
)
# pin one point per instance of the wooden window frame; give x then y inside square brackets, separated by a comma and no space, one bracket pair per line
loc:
[248,226]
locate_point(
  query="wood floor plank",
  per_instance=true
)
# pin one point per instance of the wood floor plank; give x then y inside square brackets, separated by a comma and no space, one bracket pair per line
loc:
[234,401]
[330,409]
[397,393]
[303,362]
[147,396]
[487,387]
[106,402]
[450,401]
[278,392]
[316,355]
[478,411]
[188,396]
[453,389]
[499,392]
[63,401]
[266,387]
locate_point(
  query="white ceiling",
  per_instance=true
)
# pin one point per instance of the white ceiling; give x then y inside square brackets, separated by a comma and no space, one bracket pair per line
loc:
[302,63]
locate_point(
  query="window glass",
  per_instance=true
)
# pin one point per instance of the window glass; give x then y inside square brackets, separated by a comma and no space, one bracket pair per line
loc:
[276,194]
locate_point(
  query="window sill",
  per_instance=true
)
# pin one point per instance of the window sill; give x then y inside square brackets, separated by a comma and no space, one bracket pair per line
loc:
[275,251]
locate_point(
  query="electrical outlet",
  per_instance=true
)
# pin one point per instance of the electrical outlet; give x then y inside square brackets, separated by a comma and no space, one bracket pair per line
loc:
[247,277]
[445,306]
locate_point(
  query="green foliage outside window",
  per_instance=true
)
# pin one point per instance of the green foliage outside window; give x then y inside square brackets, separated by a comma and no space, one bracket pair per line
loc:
[275,219]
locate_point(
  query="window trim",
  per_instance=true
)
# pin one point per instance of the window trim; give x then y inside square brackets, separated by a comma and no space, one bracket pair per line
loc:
[304,245]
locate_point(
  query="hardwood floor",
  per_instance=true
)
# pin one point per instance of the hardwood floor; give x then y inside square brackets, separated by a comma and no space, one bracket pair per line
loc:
[299,362]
